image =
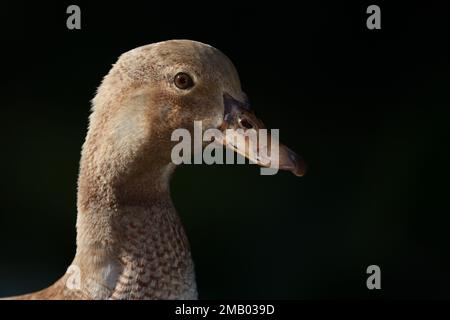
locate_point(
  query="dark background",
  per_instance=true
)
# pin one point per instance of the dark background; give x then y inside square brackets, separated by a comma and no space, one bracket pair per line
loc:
[368,109]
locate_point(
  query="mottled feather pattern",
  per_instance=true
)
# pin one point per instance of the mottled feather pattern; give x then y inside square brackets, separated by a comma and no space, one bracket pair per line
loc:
[156,258]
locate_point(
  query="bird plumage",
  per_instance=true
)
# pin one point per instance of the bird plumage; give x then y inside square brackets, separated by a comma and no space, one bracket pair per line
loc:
[130,241]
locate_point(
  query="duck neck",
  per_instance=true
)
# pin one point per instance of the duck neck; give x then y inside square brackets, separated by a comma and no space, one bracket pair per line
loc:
[130,240]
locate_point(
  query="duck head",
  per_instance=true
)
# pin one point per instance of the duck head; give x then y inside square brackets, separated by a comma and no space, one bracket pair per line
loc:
[150,92]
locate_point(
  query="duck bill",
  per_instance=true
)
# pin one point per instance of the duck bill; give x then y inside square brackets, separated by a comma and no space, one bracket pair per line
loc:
[245,134]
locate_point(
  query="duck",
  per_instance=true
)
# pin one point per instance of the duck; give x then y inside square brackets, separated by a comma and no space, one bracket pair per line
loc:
[130,241]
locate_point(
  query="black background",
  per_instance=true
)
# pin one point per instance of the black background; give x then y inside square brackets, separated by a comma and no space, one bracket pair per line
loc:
[368,109]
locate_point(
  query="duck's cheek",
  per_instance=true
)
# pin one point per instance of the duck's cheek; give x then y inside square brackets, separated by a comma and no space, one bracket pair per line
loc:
[209,113]
[213,121]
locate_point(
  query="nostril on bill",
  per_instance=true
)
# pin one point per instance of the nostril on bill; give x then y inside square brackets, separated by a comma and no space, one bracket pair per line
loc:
[245,123]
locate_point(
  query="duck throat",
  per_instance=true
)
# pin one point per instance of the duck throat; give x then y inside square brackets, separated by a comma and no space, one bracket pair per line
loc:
[130,240]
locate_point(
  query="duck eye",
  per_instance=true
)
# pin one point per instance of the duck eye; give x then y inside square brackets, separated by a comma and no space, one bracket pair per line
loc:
[183,81]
